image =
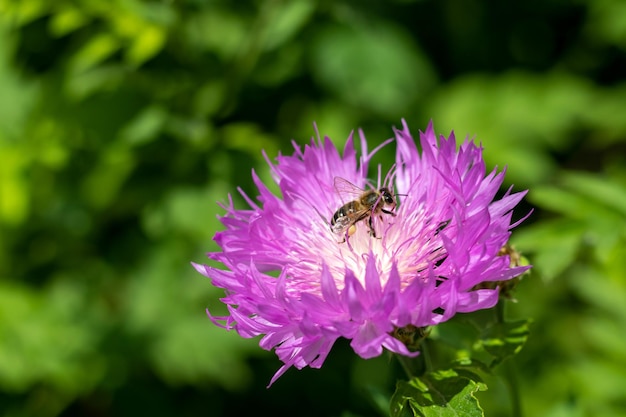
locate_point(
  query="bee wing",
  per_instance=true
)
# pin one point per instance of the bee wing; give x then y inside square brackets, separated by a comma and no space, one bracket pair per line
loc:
[346,188]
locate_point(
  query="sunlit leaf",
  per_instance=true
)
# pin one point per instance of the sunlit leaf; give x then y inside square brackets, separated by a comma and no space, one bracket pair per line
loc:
[67,20]
[14,197]
[440,393]
[23,12]
[146,44]
[95,51]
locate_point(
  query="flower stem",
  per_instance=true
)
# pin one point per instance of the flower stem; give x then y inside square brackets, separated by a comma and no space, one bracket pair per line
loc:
[513,386]
[425,355]
[407,365]
[419,365]
[510,375]
[500,311]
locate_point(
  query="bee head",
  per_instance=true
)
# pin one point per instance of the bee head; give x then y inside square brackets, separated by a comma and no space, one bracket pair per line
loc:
[387,196]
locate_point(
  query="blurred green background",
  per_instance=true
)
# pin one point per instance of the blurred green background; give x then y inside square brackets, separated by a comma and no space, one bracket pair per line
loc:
[122,123]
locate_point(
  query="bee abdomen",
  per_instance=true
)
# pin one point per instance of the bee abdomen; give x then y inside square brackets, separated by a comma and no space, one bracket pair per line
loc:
[342,218]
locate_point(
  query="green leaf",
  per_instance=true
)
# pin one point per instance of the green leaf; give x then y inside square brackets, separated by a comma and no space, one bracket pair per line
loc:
[95,51]
[377,67]
[67,20]
[287,20]
[249,138]
[607,22]
[145,126]
[21,13]
[503,340]
[571,204]
[607,296]
[442,393]
[102,185]
[147,43]
[518,116]
[219,31]
[56,349]
[95,79]
[605,191]
[554,245]
[471,368]
[14,199]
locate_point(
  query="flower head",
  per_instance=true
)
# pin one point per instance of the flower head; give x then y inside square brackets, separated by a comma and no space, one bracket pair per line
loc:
[411,261]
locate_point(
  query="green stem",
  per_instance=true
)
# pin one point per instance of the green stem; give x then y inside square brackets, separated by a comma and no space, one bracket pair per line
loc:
[426,357]
[513,386]
[419,365]
[500,311]
[510,374]
[407,365]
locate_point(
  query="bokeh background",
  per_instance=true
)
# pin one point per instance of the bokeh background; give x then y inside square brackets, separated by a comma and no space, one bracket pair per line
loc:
[123,122]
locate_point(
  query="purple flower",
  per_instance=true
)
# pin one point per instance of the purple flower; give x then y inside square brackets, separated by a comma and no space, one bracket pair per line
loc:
[301,286]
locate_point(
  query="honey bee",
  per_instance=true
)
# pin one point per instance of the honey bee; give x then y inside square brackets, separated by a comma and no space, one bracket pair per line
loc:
[368,203]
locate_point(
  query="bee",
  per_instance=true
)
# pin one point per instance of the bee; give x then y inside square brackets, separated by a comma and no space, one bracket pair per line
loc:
[368,203]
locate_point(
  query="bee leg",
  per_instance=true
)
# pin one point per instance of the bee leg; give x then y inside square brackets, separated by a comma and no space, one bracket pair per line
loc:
[371,227]
[388,212]
[349,232]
